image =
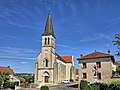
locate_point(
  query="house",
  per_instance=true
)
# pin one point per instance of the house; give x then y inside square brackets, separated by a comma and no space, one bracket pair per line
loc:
[96,67]
[51,68]
[77,75]
[11,72]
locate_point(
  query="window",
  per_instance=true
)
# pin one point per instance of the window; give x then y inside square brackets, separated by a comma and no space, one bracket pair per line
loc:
[84,76]
[48,41]
[99,76]
[46,63]
[84,65]
[98,64]
[45,41]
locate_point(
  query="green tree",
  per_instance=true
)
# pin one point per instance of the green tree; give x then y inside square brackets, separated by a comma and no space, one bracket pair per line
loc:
[117,43]
[4,78]
[118,70]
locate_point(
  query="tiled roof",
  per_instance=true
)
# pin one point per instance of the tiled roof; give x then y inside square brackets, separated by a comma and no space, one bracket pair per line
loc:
[118,61]
[60,58]
[76,72]
[6,69]
[95,55]
[67,59]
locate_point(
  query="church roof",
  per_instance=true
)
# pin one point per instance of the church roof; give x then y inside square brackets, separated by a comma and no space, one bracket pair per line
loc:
[95,55]
[6,69]
[49,27]
[60,58]
[67,59]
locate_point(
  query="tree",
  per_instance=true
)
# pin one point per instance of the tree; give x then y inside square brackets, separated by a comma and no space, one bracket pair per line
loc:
[118,70]
[117,42]
[4,78]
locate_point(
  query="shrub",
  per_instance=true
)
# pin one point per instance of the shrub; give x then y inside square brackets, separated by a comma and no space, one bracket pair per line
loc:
[104,86]
[94,86]
[12,85]
[44,88]
[83,85]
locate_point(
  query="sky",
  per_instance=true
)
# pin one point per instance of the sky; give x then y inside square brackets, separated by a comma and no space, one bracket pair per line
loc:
[80,27]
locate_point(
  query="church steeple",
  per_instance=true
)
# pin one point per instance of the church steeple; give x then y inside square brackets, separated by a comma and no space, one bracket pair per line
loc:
[49,27]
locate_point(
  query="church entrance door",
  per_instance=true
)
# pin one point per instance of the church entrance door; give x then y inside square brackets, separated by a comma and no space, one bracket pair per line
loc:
[46,79]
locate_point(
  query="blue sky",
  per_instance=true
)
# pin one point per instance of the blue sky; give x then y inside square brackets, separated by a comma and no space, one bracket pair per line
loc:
[80,26]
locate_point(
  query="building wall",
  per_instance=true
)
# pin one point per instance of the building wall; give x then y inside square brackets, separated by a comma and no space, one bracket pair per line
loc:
[41,78]
[68,70]
[55,72]
[61,71]
[105,70]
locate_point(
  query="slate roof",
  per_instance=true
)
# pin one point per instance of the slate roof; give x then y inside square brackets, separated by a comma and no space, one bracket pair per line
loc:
[6,69]
[49,27]
[95,55]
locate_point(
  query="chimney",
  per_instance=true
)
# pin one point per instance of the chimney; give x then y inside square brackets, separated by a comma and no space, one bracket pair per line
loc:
[8,66]
[81,55]
[108,51]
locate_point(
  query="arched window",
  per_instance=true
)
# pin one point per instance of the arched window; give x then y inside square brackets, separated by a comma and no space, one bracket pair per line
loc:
[46,63]
[45,41]
[48,41]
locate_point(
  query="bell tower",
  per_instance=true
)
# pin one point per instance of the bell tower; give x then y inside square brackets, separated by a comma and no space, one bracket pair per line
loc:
[48,42]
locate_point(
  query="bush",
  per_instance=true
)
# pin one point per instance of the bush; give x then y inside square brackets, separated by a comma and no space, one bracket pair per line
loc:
[113,87]
[104,86]
[12,85]
[44,88]
[95,86]
[83,85]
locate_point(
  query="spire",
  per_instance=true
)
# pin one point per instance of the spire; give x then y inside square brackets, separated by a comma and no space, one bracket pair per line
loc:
[48,28]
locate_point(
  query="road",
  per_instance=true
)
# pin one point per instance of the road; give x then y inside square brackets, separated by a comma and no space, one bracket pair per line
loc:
[71,86]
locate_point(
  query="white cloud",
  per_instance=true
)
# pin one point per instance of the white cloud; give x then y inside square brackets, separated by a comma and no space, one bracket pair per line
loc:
[65,46]
[17,53]
[22,26]
[24,62]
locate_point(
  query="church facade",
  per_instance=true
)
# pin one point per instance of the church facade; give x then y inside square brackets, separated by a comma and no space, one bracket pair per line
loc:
[51,67]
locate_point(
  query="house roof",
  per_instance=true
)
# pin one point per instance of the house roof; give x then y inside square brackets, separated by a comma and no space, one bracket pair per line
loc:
[6,69]
[49,27]
[76,72]
[95,55]
[118,61]
[67,59]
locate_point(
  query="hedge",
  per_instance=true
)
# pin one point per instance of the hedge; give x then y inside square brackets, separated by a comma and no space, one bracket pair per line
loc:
[44,88]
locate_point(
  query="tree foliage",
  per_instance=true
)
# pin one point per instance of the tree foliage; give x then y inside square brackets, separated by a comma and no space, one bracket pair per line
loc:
[4,79]
[117,43]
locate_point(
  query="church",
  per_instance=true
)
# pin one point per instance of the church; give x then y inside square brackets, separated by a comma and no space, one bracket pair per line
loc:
[51,67]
